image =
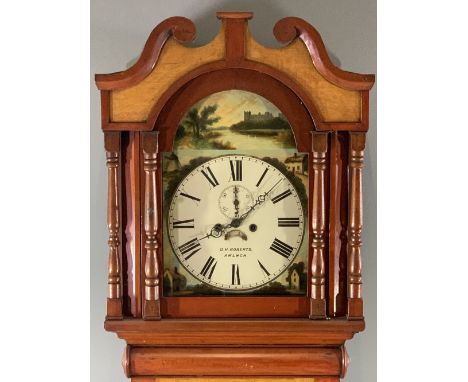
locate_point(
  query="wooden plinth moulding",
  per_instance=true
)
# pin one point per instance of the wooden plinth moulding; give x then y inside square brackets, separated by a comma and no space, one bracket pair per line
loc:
[356,159]
[318,308]
[229,361]
[151,307]
[114,298]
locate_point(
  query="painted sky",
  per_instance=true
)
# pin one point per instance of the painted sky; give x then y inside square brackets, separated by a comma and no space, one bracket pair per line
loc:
[233,103]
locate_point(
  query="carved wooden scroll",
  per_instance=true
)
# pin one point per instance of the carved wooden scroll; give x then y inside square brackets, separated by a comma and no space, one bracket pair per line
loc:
[151,307]
[356,159]
[319,152]
[114,299]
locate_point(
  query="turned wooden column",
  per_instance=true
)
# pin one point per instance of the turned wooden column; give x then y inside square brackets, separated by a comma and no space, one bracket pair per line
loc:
[356,159]
[114,298]
[151,307]
[319,152]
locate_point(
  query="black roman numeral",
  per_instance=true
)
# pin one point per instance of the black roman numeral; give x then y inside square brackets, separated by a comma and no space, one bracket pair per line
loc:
[210,177]
[209,266]
[189,223]
[191,245]
[263,268]
[190,196]
[261,178]
[281,196]
[235,274]
[288,222]
[236,170]
[281,248]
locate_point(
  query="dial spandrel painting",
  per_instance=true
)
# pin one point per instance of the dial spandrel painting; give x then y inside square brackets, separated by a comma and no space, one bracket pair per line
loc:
[235,201]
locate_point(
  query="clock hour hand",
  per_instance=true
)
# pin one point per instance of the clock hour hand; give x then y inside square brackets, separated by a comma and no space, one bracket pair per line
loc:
[216,231]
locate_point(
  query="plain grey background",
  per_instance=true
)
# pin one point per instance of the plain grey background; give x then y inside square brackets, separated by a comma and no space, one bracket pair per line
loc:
[119,29]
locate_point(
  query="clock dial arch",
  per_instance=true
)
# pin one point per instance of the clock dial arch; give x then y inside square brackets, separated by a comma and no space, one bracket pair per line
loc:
[235,233]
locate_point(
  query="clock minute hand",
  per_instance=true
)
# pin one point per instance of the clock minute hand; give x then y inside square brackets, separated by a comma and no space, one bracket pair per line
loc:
[237,221]
[271,189]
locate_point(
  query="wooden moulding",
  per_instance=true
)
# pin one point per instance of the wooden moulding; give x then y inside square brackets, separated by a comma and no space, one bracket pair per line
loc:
[151,307]
[356,159]
[236,332]
[221,361]
[114,279]
[318,309]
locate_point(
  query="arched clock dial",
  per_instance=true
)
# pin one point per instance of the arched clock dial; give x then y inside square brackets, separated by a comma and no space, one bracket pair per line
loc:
[235,222]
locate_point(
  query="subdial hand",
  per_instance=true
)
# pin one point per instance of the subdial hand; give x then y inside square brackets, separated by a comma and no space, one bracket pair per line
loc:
[236,201]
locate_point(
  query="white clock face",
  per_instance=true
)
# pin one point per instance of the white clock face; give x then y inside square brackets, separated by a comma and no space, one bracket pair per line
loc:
[235,222]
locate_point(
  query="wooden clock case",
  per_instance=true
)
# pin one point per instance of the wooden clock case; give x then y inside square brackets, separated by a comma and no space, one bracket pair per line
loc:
[297,337]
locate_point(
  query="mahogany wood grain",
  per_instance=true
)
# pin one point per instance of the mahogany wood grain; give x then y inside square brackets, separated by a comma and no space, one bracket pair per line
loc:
[114,280]
[105,109]
[341,297]
[356,159]
[181,28]
[334,223]
[338,216]
[219,361]
[259,306]
[288,28]
[318,298]
[344,126]
[364,110]
[236,332]
[344,362]
[131,221]
[151,307]
[235,25]
[222,15]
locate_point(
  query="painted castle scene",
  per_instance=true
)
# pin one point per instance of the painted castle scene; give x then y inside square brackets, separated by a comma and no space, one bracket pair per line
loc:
[230,122]
[233,119]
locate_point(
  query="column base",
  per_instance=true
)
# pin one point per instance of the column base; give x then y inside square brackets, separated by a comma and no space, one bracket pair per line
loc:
[151,310]
[318,309]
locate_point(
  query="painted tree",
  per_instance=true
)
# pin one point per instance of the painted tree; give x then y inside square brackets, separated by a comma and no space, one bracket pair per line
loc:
[198,121]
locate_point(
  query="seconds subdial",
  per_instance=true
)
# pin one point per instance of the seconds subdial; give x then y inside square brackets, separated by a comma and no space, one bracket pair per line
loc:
[235,201]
